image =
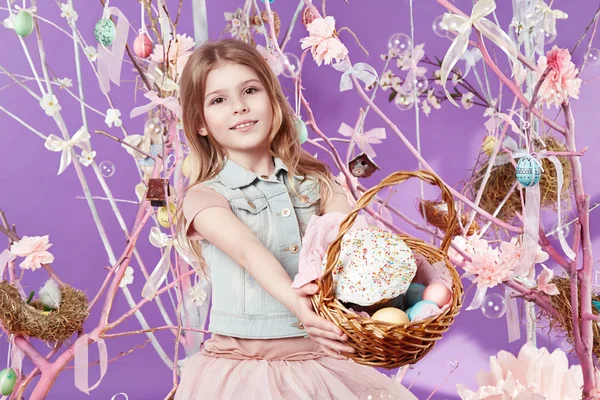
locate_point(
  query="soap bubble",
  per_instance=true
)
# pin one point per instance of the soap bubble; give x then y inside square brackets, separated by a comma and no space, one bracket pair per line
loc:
[376,394]
[404,102]
[453,363]
[154,126]
[439,28]
[401,42]
[291,65]
[594,57]
[493,306]
[107,169]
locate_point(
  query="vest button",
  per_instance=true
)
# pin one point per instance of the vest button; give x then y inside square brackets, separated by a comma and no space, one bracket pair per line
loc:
[304,199]
[251,204]
[294,248]
[264,176]
[286,212]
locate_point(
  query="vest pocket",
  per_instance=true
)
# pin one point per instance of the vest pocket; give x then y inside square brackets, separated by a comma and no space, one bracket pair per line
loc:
[252,212]
[305,204]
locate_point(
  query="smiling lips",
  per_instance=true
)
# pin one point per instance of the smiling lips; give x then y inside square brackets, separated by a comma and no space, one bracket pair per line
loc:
[244,124]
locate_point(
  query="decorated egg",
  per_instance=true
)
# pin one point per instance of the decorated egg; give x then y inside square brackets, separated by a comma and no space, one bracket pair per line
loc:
[23,24]
[414,294]
[186,166]
[301,129]
[163,217]
[528,171]
[270,1]
[105,32]
[489,143]
[391,315]
[422,310]
[437,293]
[142,46]
[8,379]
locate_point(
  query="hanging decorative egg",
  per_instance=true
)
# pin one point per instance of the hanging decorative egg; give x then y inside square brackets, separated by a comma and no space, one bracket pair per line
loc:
[301,129]
[489,143]
[105,32]
[163,217]
[8,379]
[142,46]
[23,24]
[529,171]
[270,1]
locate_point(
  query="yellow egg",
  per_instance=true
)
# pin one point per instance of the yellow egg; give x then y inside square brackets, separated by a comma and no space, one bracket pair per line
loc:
[391,315]
[186,167]
[163,217]
[489,143]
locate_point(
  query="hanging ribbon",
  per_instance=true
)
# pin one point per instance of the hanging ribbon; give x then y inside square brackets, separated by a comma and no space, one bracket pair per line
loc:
[365,139]
[159,274]
[549,17]
[54,143]
[110,61]
[362,71]
[463,25]
[5,258]
[81,362]
[512,315]
[170,103]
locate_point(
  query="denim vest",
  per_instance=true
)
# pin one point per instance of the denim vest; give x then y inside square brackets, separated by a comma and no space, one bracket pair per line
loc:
[278,217]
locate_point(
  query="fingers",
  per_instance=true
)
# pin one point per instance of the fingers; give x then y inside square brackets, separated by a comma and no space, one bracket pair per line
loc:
[332,353]
[308,289]
[333,345]
[311,330]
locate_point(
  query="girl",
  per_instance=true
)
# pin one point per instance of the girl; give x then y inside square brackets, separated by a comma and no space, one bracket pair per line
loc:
[253,190]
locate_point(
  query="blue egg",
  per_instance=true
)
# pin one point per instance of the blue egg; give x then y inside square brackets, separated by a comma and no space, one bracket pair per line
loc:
[414,294]
[270,1]
[596,305]
[414,310]
[528,171]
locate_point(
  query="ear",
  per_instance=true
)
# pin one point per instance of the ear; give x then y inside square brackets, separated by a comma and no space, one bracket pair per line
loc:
[203,132]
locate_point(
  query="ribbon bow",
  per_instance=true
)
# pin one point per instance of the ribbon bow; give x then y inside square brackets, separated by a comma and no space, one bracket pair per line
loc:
[362,71]
[171,103]
[549,17]
[464,26]
[54,143]
[159,274]
[365,139]
[110,61]
[81,361]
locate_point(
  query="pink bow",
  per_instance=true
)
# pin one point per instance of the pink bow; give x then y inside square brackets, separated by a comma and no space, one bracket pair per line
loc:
[110,61]
[170,103]
[365,139]
[81,361]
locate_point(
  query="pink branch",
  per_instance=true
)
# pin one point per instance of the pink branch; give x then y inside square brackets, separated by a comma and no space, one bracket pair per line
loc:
[533,296]
[39,360]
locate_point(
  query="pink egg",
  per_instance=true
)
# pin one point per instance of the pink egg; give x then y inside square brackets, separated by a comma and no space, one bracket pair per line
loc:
[437,293]
[142,46]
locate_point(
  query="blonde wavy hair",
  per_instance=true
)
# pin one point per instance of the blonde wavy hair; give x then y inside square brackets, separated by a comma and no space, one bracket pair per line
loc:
[207,156]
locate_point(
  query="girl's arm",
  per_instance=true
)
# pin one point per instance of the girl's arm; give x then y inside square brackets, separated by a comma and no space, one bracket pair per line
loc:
[225,231]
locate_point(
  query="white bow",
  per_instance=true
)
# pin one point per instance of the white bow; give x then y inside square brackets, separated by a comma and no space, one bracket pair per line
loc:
[362,71]
[54,143]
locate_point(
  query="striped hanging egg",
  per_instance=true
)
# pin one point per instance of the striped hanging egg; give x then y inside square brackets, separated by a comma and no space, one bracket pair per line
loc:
[529,171]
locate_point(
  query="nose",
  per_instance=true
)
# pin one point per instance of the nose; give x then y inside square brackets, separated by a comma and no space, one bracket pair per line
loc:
[240,107]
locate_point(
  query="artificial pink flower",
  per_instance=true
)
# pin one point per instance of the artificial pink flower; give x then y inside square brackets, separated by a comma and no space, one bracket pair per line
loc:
[534,374]
[511,253]
[35,260]
[272,59]
[543,282]
[486,266]
[562,81]
[30,244]
[323,41]
[465,244]
[179,50]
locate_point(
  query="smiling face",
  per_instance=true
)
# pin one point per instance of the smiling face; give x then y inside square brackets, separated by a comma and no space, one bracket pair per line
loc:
[237,109]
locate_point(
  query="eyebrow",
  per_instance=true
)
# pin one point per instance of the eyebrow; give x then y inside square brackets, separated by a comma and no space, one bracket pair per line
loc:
[240,85]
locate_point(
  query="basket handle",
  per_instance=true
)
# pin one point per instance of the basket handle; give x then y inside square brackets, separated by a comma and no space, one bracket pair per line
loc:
[333,252]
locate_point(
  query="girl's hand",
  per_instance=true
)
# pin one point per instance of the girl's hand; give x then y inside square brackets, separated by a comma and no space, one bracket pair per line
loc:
[328,335]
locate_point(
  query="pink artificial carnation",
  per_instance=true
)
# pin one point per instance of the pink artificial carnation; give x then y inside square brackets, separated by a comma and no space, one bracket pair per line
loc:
[323,41]
[272,59]
[535,373]
[35,260]
[562,81]
[30,244]
[486,266]
[179,50]
[511,253]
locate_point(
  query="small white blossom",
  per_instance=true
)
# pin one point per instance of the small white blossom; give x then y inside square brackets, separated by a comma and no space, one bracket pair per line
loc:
[50,104]
[425,107]
[65,82]
[68,11]
[197,295]
[127,277]
[437,75]
[467,100]
[435,103]
[491,110]
[113,117]
[86,158]
[456,78]
[9,23]
[91,53]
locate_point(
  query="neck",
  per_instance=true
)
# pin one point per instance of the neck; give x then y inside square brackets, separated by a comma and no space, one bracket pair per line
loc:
[261,163]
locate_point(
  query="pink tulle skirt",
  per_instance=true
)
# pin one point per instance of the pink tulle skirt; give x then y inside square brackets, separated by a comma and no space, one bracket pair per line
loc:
[276,369]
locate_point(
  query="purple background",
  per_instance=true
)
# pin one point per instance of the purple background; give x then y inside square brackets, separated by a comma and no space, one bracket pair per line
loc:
[41,203]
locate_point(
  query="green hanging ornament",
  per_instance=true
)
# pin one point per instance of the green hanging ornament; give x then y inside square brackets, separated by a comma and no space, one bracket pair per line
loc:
[8,379]
[23,24]
[301,129]
[105,32]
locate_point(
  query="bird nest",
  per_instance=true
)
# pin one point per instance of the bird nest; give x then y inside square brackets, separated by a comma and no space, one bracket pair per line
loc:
[502,177]
[20,318]
[436,214]
[564,322]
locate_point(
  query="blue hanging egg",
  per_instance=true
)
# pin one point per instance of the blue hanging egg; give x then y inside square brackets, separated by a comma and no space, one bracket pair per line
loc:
[8,379]
[270,1]
[23,24]
[301,129]
[105,32]
[528,171]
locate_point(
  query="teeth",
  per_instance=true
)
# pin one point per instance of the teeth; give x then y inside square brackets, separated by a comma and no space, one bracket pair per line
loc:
[242,126]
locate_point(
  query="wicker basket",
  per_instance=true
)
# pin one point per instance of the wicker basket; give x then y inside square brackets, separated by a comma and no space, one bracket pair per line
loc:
[382,344]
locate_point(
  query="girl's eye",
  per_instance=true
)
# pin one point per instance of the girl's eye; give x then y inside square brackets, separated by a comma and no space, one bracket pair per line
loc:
[250,90]
[218,100]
